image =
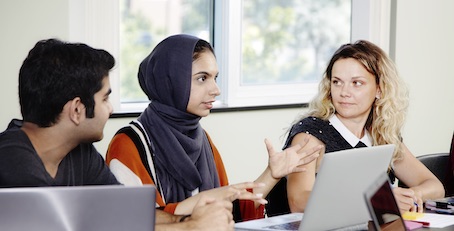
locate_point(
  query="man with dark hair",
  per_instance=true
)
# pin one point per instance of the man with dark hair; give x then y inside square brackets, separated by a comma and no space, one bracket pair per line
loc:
[64,99]
[64,93]
[54,73]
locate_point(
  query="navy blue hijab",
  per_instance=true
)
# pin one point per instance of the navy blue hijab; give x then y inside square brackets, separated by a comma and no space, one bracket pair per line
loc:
[183,156]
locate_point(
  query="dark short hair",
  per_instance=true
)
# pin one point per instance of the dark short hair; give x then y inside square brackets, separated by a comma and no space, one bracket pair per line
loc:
[55,72]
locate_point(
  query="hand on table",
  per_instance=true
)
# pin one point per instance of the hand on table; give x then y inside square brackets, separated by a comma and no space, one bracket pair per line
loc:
[408,200]
[211,214]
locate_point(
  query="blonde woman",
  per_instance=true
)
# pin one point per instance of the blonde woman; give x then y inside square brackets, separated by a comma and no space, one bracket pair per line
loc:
[361,102]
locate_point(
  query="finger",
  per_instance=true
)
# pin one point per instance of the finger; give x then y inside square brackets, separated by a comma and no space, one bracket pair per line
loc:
[233,196]
[260,199]
[253,197]
[229,216]
[311,151]
[224,205]
[231,225]
[407,192]
[227,205]
[420,205]
[306,159]
[269,146]
[404,202]
[413,208]
[294,148]
[248,185]
[418,208]
[407,202]
[245,195]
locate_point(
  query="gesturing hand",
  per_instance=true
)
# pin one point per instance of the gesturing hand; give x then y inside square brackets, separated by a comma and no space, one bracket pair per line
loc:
[212,214]
[236,191]
[291,159]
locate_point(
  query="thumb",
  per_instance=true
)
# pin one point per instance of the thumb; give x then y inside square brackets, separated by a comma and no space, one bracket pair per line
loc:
[269,146]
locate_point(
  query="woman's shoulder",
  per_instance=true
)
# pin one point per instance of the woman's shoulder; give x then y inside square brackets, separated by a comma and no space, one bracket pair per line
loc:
[320,129]
[309,125]
[126,140]
[134,131]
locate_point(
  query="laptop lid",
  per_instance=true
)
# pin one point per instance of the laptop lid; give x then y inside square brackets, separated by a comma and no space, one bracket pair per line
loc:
[336,200]
[382,205]
[112,207]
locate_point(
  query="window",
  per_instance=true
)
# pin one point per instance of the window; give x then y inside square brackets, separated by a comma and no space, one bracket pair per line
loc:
[144,23]
[269,52]
[275,51]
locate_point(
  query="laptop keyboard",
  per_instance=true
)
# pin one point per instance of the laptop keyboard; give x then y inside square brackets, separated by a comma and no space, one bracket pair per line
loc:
[286,226]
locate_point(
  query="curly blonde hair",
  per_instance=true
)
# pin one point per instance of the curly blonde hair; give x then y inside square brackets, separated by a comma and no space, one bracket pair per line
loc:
[388,112]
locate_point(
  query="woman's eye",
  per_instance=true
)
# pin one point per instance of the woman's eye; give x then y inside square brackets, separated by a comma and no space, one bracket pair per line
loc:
[336,82]
[357,83]
[201,79]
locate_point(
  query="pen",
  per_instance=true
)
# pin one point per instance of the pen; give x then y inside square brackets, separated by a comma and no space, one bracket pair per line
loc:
[424,223]
[416,204]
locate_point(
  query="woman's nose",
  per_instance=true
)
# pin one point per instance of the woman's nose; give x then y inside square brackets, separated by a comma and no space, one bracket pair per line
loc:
[345,91]
[215,90]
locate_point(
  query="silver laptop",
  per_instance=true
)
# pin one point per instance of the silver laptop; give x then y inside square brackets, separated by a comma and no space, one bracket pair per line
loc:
[382,205]
[78,208]
[337,200]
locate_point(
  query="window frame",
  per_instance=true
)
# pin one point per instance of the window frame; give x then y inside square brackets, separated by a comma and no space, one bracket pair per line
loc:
[92,22]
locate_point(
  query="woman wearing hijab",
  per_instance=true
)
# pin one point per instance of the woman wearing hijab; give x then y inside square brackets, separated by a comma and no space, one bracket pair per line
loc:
[167,147]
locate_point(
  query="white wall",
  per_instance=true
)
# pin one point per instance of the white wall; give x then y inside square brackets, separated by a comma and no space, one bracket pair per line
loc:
[424,51]
[22,24]
[424,57]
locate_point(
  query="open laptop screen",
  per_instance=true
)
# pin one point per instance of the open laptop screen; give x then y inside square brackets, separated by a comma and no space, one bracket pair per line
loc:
[382,205]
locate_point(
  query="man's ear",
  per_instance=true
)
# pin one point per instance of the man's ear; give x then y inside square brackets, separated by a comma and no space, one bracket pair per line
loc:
[76,110]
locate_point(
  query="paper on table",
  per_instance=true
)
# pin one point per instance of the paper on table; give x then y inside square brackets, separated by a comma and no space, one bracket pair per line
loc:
[437,220]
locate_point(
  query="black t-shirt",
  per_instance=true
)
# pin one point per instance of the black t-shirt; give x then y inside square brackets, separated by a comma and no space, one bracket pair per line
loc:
[20,165]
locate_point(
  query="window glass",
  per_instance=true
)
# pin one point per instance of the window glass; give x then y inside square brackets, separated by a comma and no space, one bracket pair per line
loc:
[270,52]
[288,42]
[144,23]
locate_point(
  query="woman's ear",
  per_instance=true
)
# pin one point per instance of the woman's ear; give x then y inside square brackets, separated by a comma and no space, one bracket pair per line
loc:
[378,94]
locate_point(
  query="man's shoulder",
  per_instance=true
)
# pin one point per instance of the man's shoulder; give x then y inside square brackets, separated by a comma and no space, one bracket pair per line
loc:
[12,129]
[13,134]
[14,143]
